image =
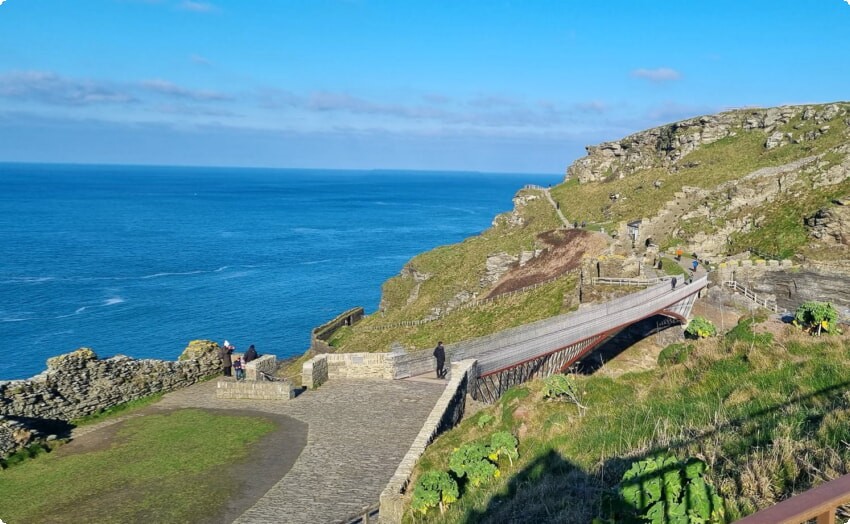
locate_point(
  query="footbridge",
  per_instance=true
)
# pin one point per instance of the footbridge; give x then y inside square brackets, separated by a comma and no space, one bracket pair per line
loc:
[550,346]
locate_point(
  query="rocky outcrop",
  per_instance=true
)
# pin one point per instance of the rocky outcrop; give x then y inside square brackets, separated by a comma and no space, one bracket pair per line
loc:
[497,265]
[831,225]
[515,218]
[665,146]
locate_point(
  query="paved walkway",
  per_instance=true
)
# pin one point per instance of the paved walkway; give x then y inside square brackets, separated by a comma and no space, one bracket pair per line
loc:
[358,432]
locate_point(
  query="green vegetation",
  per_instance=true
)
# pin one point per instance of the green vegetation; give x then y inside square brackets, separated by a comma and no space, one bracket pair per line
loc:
[816,317]
[471,461]
[665,490]
[778,408]
[674,354]
[434,488]
[124,408]
[546,301]
[169,467]
[700,327]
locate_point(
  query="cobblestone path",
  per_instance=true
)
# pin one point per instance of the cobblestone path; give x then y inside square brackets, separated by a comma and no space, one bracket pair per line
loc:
[358,432]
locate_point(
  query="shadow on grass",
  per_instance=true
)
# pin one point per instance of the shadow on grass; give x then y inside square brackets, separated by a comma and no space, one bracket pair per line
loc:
[549,489]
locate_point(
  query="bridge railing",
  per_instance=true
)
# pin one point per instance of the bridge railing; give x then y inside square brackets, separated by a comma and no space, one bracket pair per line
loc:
[565,330]
[819,503]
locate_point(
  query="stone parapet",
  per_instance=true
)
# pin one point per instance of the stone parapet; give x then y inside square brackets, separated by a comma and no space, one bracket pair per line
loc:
[265,364]
[359,365]
[314,372]
[446,414]
[246,389]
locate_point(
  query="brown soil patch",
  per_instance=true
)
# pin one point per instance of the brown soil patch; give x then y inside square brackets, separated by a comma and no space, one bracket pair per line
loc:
[564,251]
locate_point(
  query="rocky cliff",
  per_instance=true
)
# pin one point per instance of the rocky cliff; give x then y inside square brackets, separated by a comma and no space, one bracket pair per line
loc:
[721,184]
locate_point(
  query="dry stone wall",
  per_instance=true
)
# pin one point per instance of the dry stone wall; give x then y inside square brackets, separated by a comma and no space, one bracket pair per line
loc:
[78,384]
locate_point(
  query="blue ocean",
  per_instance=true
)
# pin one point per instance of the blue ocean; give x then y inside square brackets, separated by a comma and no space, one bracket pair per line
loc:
[140,260]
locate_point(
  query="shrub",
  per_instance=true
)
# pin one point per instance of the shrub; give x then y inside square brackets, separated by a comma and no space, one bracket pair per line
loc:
[470,460]
[484,419]
[816,317]
[432,489]
[504,444]
[674,354]
[700,327]
[562,387]
[743,332]
[663,489]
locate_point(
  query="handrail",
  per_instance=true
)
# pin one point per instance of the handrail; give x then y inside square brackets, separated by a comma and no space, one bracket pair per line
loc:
[629,281]
[818,503]
[764,302]
[544,336]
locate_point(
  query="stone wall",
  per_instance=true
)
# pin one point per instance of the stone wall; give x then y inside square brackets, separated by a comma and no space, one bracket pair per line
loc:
[244,389]
[320,335]
[78,384]
[314,372]
[266,364]
[446,414]
[359,365]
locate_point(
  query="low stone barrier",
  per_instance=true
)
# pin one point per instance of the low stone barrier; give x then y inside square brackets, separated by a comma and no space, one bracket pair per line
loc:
[359,365]
[265,364]
[254,390]
[314,372]
[446,414]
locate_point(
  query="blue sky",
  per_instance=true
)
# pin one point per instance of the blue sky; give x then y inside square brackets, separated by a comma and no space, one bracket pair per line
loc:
[504,86]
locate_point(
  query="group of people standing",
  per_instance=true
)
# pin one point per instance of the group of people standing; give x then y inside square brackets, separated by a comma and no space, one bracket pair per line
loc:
[225,353]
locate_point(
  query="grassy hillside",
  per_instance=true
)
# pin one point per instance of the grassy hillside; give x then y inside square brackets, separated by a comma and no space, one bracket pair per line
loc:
[725,161]
[769,417]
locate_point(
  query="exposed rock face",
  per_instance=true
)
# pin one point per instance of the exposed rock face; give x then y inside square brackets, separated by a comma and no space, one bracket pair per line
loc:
[791,288]
[665,146]
[831,225]
[497,265]
[515,217]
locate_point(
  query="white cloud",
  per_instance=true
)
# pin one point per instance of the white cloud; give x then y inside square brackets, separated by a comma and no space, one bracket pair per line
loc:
[49,88]
[164,87]
[1,2]
[661,74]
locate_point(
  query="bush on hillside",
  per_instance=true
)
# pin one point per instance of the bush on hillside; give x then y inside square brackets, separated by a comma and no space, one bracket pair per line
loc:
[663,489]
[503,443]
[674,354]
[700,327]
[562,387]
[816,317]
[434,488]
[471,461]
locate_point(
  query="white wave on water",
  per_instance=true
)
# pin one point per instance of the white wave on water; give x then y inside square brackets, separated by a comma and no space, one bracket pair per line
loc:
[314,262]
[105,303]
[27,280]
[15,319]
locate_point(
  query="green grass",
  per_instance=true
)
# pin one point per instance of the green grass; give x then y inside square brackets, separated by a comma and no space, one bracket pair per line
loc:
[118,409]
[780,228]
[739,399]
[503,313]
[169,467]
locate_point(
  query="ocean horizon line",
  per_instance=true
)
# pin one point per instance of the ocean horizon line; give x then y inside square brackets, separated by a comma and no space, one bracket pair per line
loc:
[380,171]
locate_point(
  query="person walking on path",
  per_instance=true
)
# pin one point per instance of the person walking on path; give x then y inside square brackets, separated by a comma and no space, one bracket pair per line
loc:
[679,254]
[226,361]
[440,355]
[673,282]
[695,264]
[250,355]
